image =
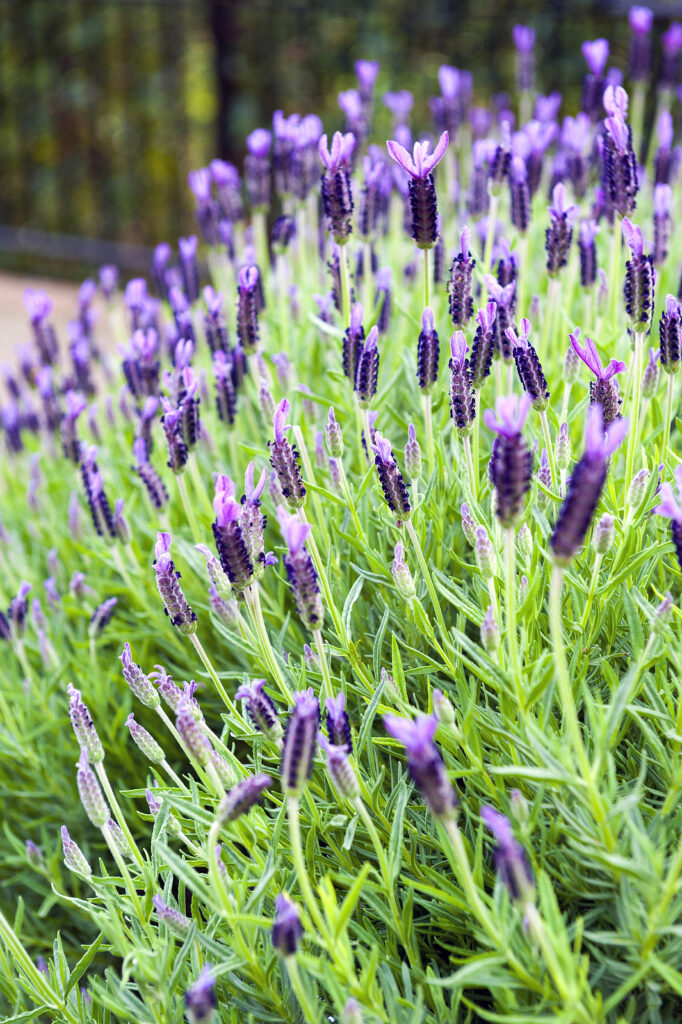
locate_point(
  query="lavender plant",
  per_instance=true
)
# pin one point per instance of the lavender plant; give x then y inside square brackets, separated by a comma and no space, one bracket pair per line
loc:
[384,739]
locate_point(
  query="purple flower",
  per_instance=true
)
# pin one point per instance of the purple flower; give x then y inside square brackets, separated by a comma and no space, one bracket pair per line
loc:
[287,928]
[641,20]
[596,54]
[300,569]
[419,165]
[366,72]
[511,861]
[340,769]
[174,602]
[258,142]
[400,104]
[524,38]
[299,742]
[338,725]
[424,762]
[509,416]
[260,709]
[590,357]
[242,797]
[340,155]
[200,997]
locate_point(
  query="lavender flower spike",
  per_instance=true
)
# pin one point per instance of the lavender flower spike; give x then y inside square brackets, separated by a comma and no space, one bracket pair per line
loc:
[585,487]
[337,196]
[604,390]
[300,570]
[560,231]
[338,724]
[287,928]
[462,396]
[510,462]
[233,551]
[284,459]
[510,857]
[174,602]
[200,997]
[639,280]
[425,763]
[137,680]
[74,858]
[242,797]
[84,727]
[299,743]
[390,477]
[340,769]
[670,335]
[93,802]
[421,188]
[528,366]
[260,709]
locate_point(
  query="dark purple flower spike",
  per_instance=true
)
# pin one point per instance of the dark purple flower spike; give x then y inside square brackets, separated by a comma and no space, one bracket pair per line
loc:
[284,459]
[510,858]
[425,763]
[460,284]
[511,461]
[462,397]
[585,486]
[300,570]
[174,602]
[337,196]
[421,187]
[604,390]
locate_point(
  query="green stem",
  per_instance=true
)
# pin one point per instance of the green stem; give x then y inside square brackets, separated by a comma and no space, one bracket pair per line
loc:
[568,704]
[428,429]
[310,1013]
[549,446]
[118,814]
[476,438]
[224,696]
[426,277]
[300,866]
[125,875]
[310,474]
[466,444]
[327,685]
[253,602]
[345,286]
[510,609]
[351,504]
[614,271]
[591,592]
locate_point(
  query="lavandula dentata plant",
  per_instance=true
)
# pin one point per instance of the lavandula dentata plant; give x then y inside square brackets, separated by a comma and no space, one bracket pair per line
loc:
[604,389]
[533,382]
[460,283]
[422,194]
[510,471]
[462,400]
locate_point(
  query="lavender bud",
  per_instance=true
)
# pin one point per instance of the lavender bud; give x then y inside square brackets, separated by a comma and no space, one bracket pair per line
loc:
[118,838]
[519,807]
[93,802]
[443,709]
[154,805]
[639,281]
[468,524]
[176,922]
[145,741]
[192,734]
[226,611]
[651,376]
[367,370]
[602,539]
[637,489]
[571,366]
[544,476]
[670,335]
[587,481]
[390,477]
[510,858]
[340,769]
[425,763]
[563,449]
[200,1000]
[511,461]
[73,856]
[18,610]
[174,602]
[334,437]
[523,589]
[284,459]
[524,539]
[247,309]
[337,196]
[528,366]
[486,559]
[338,723]
[460,283]
[559,234]
[260,709]
[34,856]
[300,570]
[299,743]
[402,577]
[287,928]
[663,613]
[245,795]
[413,456]
[462,396]
[351,1013]
[84,727]
[428,351]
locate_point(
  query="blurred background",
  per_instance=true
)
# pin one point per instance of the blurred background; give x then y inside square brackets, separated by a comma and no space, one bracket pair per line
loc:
[107,104]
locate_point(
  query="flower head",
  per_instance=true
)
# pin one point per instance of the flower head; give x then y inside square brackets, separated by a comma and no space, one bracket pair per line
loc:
[589,355]
[596,54]
[419,165]
[509,416]
[341,152]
